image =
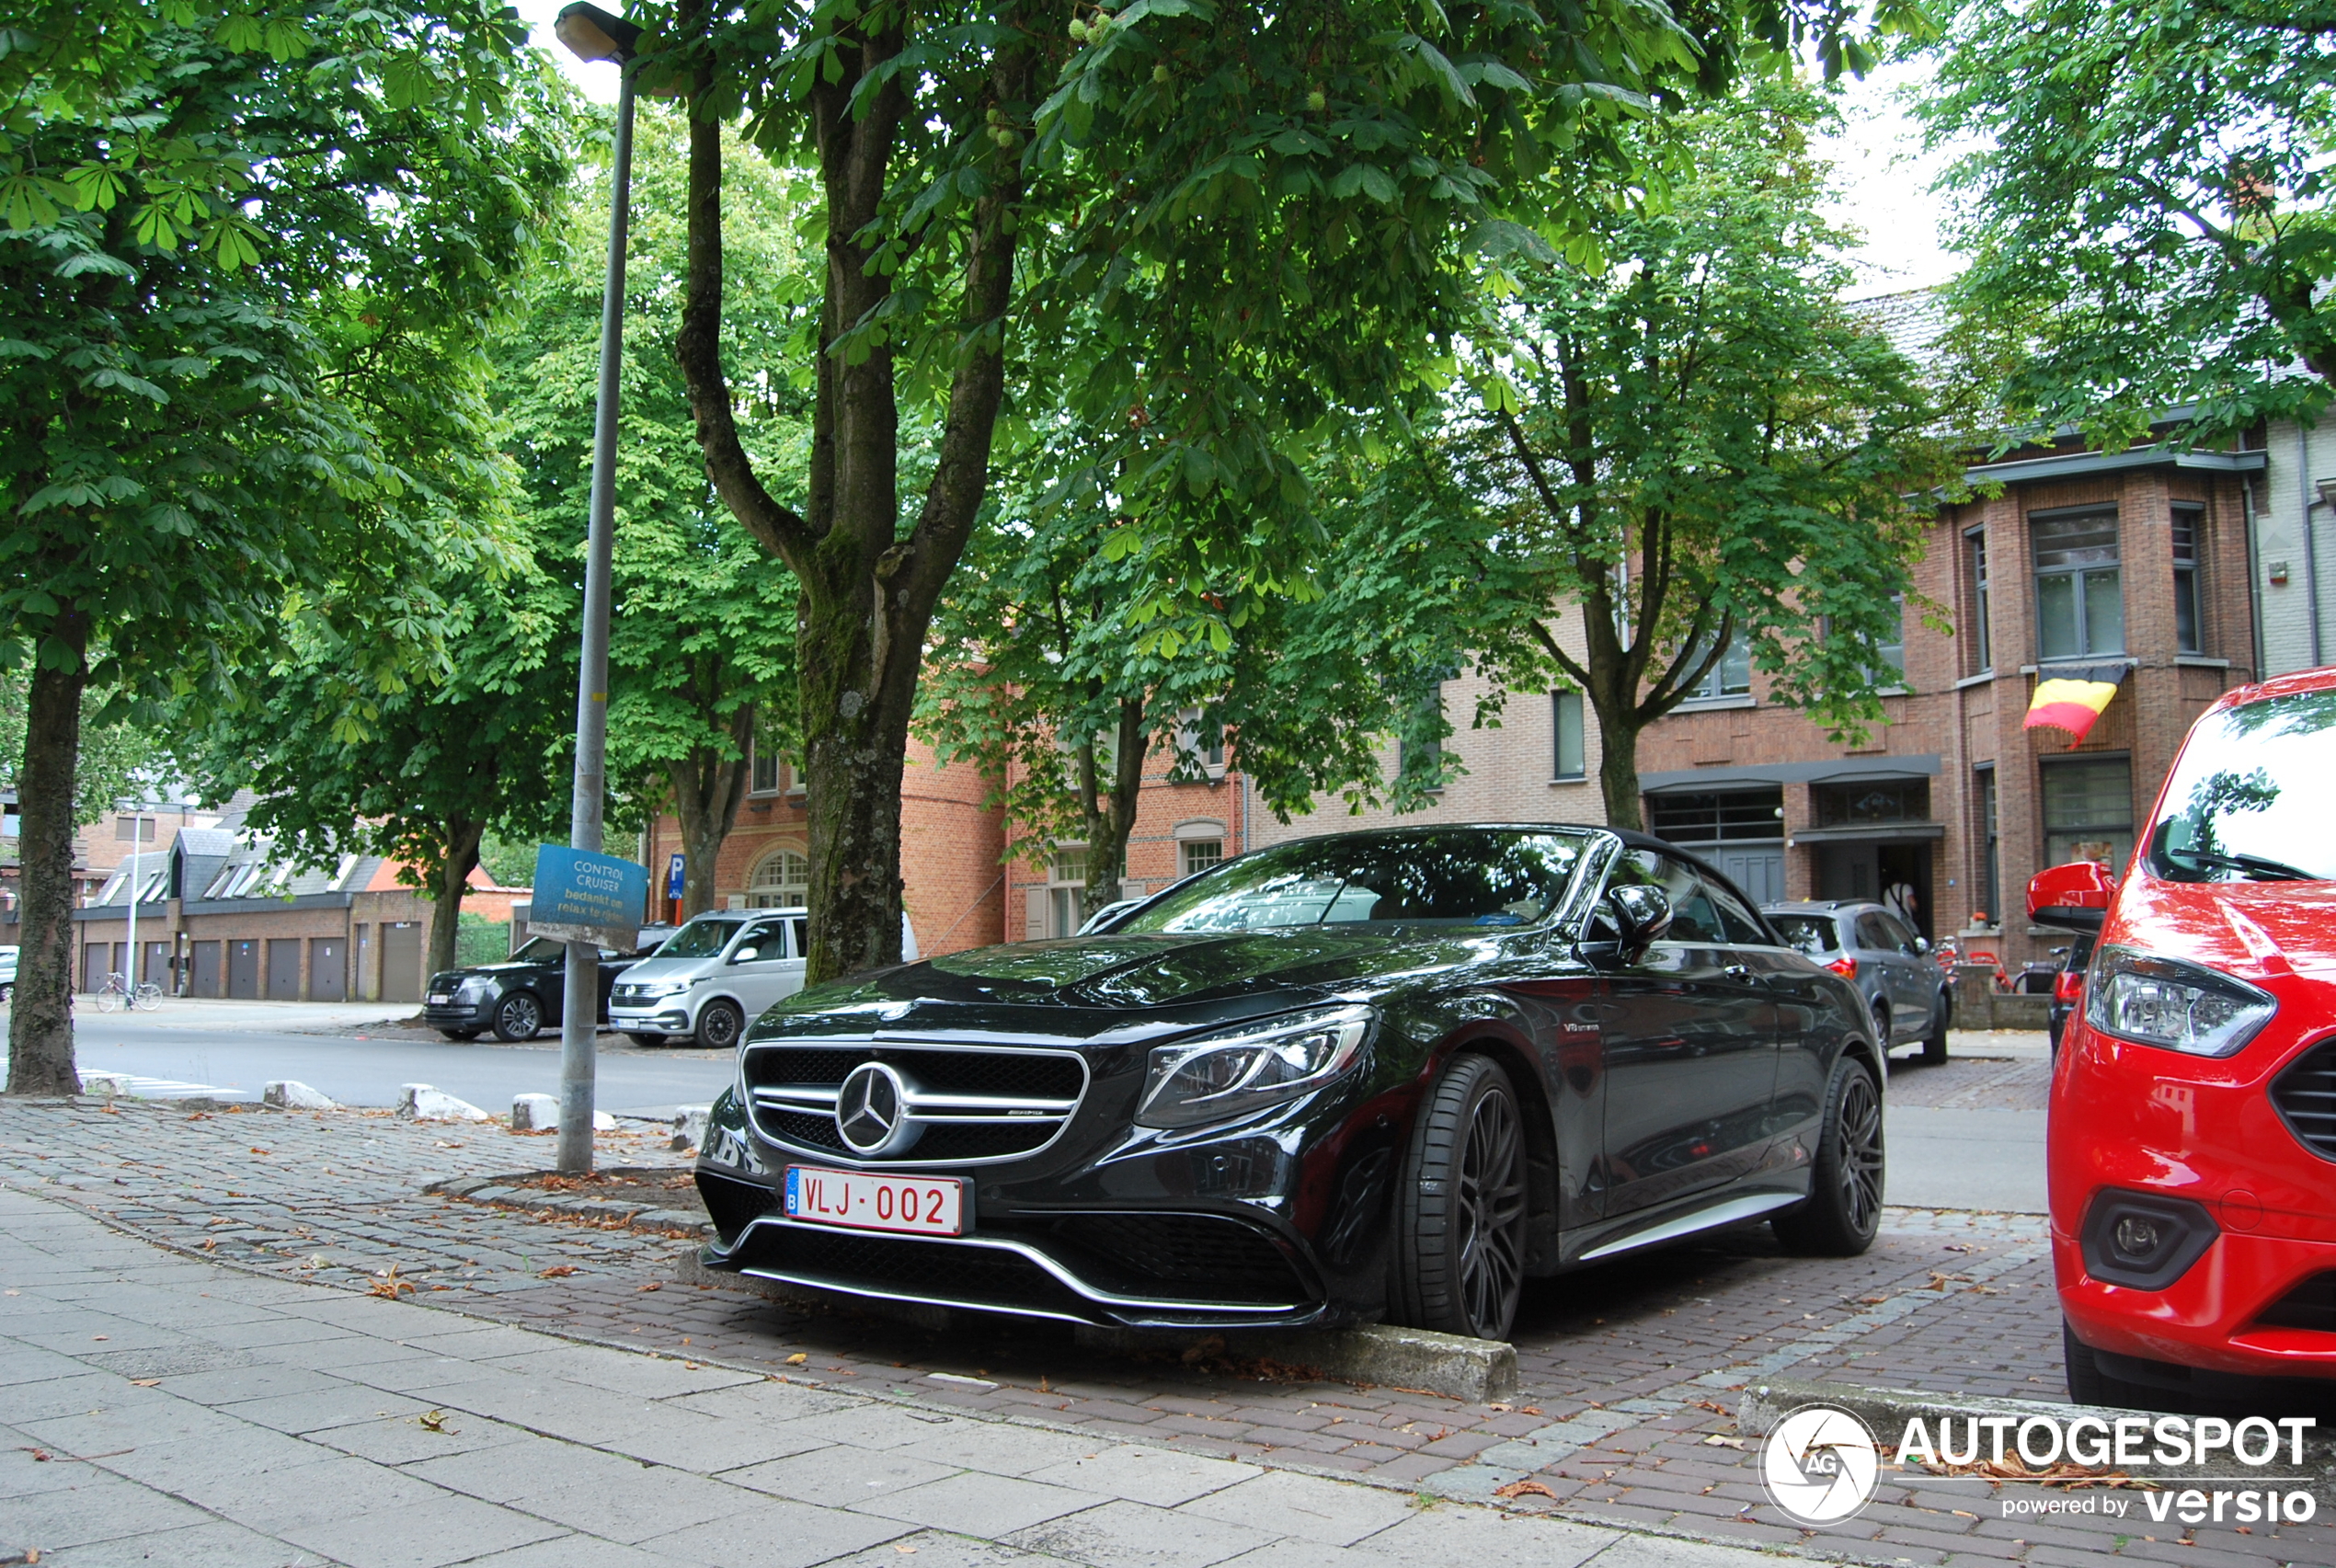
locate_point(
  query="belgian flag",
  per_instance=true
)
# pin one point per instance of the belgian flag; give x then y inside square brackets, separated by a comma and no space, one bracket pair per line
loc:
[2072,699]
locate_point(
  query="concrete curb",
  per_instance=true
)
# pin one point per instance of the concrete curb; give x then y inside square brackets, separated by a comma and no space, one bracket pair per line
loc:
[516,1191]
[1474,1371]
[1887,1412]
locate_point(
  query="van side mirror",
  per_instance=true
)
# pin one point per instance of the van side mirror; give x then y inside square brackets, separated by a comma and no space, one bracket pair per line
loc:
[746,956]
[2074,898]
[1642,914]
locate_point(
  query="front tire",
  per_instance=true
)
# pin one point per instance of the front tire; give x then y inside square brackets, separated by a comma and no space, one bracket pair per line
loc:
[518,1016]
[646,1041]
[1460,1250]
[1844,1210]
[719,1025]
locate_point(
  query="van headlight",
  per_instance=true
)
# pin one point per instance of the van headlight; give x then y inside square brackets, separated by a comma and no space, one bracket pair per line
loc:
[1234,1072]
[658,991]
[2138,996]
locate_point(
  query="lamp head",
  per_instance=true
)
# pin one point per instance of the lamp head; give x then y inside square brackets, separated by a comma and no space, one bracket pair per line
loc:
[592,34]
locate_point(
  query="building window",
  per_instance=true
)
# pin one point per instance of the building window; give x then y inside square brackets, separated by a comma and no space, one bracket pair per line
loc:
[1982,643]
[1202,744]
[1884,800]
[766,767]
[1565,713]
[2089,811]
[2187,524]
[1067,892]
[2081,603]
[1992,867]
[1731,677]
[1736,817]
[1890,658]
[782,881]
[1201,854]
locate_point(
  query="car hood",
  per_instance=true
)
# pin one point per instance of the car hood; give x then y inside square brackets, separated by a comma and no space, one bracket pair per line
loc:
[648,971]
[1085,984]
[2255,930]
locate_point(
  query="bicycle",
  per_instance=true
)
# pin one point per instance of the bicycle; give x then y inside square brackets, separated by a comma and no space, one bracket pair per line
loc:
[116,993]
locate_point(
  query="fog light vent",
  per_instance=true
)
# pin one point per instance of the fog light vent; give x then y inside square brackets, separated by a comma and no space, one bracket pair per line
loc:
[2143,1241]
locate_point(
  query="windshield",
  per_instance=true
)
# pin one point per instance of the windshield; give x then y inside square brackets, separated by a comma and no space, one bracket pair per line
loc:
[1454,877]
[540,950]
[702,938]
[2247,800]
[1812,934]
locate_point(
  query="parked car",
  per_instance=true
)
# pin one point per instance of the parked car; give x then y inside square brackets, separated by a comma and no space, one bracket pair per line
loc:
[519,997]
[2068,987]
[1872,947]
[8,973]
[1384,1074]
[716,974]
[2193,1127]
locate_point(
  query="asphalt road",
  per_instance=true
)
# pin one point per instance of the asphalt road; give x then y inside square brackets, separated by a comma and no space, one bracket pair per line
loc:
[1940,1157]
[241,1046]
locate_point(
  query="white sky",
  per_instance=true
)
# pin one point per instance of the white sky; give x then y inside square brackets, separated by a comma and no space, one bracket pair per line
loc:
[1878,161]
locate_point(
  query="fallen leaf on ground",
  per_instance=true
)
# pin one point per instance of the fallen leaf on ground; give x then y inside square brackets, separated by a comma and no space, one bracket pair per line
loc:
[1524,1488]
[434,1421]
[904,1549]
[389,1286]
[557,1271]
[1720,1440]
[41,1456]
[145,1382]
[1528,1410]
[653,1285]
[799,1358]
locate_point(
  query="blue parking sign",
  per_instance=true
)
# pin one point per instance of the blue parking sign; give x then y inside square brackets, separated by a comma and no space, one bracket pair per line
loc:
[673,870]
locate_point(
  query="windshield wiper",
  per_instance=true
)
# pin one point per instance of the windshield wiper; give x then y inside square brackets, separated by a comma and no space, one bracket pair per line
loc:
[2258,868]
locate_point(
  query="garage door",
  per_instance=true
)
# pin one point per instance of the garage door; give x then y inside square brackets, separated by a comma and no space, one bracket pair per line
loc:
[283,969]
[401,961]
[207,977]
[325,983]
[1759,872]
[242,970]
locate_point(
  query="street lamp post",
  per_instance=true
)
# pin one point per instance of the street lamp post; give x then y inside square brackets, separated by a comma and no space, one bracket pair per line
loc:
[592,34]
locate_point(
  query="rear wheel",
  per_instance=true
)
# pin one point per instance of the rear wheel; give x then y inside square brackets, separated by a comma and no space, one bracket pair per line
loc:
[1934,1044]
[1844,1210]
[518,1016]
[1460,1256]
[718,1025]
[647,1039]
[1882,1026]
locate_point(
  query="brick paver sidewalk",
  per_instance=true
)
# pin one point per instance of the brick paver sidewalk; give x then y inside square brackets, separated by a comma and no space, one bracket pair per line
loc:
[1631,1373]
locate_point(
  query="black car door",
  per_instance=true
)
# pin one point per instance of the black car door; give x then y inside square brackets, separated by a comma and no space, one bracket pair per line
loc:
[1691,1035]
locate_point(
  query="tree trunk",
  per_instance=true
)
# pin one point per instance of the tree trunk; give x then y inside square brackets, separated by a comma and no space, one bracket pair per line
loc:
[868,594]
[463,837]
[1110,809]
[41,1019]
[708,789]
[1618,771]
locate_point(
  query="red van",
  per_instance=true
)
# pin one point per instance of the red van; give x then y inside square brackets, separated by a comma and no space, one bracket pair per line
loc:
[2192,1141]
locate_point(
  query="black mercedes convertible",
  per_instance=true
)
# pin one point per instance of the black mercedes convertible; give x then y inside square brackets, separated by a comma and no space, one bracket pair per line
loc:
[1377,1076]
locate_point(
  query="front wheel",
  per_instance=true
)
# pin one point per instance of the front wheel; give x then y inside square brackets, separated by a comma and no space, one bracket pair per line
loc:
[1844,1210]
[1461,1257]
[465,1036]
[646,1041]
[518,1016]
[718,1025]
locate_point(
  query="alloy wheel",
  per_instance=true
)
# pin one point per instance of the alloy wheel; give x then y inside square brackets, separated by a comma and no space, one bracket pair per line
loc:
[1861,1152]
[1491,1214]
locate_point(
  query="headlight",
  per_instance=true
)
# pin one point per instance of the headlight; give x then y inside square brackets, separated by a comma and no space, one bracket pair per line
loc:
[2181,1007]
[473,989]
[657,991]
[1221,1076]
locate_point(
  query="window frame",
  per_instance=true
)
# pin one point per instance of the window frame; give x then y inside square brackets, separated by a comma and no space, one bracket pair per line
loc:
[1714,687]
[1564,701]
[2077,572]
[1186,855]
[1975,554]
[2112,832]
[756,887]
[2189,516]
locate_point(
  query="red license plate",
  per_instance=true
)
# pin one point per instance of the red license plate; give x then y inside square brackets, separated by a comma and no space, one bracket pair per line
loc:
[919,1206]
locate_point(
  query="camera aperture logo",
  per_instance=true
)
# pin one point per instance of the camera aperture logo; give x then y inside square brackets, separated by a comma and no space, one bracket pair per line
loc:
[1819,1465]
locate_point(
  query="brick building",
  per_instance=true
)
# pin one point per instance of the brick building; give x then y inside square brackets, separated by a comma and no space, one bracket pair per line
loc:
[952,841]
[222,913]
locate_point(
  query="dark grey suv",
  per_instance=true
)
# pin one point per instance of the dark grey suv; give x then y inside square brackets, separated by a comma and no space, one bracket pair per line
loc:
[1872,948]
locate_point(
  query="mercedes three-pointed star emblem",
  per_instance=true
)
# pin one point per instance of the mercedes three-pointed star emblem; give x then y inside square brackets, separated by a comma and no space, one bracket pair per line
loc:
[871,1110]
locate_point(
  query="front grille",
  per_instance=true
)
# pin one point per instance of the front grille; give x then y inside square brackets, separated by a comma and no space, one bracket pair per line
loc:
[2305,1097]
[929,1271]
[2311,1305]
[973,1105]
[1192,1257]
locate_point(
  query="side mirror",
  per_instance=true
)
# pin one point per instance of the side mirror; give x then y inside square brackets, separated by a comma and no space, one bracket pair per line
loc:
[1641,913]
[2074,898]
[746,956]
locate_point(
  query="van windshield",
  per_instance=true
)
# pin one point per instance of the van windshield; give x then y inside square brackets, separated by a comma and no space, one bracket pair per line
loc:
[702,938]
[2247,801]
